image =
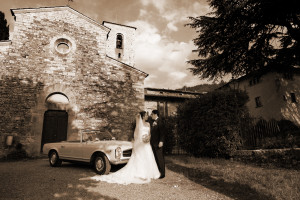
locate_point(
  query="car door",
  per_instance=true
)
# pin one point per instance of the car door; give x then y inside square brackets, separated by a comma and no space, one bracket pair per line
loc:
[88,148]
[71,150]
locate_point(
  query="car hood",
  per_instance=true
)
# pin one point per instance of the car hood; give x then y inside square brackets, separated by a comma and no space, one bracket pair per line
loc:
[114,144]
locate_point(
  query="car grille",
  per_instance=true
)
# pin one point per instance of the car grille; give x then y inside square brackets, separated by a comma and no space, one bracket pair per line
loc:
[127,153]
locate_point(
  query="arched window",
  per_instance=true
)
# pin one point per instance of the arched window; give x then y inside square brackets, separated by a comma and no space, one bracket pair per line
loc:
[57,101]
[119,42]
[57,98]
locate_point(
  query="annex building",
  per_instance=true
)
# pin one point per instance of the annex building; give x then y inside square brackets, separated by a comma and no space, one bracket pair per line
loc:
[273,93]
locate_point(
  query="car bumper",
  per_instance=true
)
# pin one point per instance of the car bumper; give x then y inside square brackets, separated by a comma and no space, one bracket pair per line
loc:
[121,161]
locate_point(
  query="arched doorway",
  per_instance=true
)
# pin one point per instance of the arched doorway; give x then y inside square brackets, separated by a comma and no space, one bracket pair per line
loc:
[55,125]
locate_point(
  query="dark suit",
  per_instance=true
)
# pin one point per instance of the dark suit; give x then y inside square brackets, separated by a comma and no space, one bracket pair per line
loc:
[158,135]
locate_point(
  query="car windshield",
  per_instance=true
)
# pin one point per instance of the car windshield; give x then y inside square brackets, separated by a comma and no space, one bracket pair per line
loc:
[94,136]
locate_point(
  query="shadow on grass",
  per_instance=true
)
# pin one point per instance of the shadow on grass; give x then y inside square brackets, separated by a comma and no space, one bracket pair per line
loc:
[233,190]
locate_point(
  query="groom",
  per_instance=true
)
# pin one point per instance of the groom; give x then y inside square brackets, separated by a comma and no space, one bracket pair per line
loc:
[157,141]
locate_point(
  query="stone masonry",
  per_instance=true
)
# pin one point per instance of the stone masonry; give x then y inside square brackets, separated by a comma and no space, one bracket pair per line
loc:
[58,50]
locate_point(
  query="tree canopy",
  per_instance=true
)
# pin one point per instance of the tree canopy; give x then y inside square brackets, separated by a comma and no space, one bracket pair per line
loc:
[4,28]
[241,36]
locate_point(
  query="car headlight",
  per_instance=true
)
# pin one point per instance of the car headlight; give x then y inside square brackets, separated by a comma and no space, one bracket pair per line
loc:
[118,152]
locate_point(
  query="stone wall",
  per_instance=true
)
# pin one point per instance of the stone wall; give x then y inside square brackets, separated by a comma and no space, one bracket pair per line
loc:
[103,94]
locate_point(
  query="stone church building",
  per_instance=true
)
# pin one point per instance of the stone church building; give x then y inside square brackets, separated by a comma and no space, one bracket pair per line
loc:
[63,72]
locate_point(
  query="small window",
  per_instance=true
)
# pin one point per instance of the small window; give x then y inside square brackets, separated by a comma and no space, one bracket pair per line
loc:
[119,42]
[119,55]
[293,98]
[254,81]
[258,102]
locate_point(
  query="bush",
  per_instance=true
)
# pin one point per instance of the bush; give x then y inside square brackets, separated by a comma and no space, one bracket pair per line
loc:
[287,158]
[210,125]
[17,153]
[287,126]
[288,136]
[169,124]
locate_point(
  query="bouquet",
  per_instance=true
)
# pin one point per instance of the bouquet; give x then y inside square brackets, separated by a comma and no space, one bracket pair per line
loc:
[146,138]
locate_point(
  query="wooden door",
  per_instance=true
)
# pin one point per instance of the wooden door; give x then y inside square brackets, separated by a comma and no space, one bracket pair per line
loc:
[55,126]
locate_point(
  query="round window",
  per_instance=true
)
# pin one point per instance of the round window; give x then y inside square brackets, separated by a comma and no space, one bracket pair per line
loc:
[63,46]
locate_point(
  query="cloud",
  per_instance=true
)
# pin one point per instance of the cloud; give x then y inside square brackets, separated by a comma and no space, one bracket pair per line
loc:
[158,53]
[177,75]
[159,4]
[172,26]
[143,13]
[176,12]
[163,59]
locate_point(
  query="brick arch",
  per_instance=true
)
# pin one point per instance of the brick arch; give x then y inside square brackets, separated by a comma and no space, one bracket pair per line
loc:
[60,89]
[53,103]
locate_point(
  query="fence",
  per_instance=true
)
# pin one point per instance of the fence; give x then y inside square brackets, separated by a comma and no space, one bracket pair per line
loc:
[255,131]
[177,150]
[172,144]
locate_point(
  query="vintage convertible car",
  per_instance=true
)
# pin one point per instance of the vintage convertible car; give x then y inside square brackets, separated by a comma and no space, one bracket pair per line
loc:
[98,149]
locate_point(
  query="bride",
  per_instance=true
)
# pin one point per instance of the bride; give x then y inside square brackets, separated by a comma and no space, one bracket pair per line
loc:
[141,167]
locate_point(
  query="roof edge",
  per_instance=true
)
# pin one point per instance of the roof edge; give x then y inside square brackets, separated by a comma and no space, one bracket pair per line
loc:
[175,91]
[118,24]
[263,71]
[58,8]
[129,66]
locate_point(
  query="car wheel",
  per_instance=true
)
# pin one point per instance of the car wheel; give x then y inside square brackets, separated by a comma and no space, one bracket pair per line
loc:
[54,159]
[101,164]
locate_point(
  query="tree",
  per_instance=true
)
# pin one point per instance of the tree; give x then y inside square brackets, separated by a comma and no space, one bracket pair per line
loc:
[241,36]
[4,28]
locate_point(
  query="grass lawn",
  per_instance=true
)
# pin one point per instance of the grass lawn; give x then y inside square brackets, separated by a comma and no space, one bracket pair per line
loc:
[239,180]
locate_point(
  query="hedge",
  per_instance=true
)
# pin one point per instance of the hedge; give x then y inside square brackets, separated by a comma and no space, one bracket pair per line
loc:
[210,125]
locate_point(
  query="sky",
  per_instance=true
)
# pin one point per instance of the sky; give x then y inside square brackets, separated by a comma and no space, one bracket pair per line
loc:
[163,43]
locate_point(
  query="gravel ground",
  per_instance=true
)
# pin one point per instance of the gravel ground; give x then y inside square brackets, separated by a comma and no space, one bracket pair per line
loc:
[35,179]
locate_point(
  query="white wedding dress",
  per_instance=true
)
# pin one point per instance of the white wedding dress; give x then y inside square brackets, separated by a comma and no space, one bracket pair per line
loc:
[141,167]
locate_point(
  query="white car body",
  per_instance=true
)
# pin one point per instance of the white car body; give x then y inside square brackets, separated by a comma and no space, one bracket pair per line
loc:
[87,149]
